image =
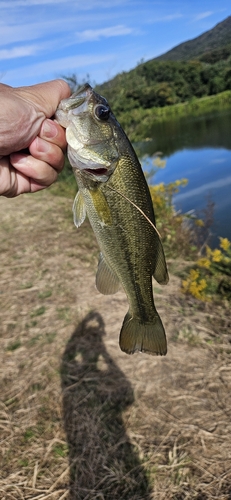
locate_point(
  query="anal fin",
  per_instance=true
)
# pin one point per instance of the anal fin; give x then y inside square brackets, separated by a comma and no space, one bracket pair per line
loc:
[160,273]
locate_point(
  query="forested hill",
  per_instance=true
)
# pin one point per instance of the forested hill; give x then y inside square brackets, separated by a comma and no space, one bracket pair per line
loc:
[215,39]
[159,83]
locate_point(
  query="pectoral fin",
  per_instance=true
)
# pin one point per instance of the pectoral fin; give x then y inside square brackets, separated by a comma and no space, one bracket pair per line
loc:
[101,206]
[160,272]
[79,209]
[107,281]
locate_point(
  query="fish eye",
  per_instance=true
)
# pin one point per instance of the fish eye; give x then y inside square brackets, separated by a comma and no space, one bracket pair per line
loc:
[102,112]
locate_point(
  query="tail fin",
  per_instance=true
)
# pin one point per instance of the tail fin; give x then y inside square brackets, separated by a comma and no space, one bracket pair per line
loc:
[138,337]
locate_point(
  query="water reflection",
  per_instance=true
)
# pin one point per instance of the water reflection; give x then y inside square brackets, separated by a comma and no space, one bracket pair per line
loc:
[198,149]
[104,464]
[207,131]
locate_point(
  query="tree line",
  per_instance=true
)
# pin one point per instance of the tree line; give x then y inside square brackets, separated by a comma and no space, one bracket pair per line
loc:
[164,83]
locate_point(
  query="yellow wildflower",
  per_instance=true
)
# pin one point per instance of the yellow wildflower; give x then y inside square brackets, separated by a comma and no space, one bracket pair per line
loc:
[193,289]
[216,255]
[202,285]
[208,251]
[158,162]
[199,223]
[158,187]
[194,274]
[194,286]
[203,262]
[178,218]
[161,187]
[181,182]
[185,284]
[225,244]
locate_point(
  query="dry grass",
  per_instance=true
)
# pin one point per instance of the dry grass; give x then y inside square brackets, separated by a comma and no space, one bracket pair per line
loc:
[81,420]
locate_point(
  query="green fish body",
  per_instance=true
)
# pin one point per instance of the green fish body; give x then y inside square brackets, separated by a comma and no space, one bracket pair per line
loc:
[114,194]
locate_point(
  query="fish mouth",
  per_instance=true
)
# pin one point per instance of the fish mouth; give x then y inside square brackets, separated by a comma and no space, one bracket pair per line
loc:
[96,171]
[90,169]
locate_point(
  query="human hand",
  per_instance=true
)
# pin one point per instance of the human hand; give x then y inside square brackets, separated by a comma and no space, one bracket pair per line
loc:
[25,122]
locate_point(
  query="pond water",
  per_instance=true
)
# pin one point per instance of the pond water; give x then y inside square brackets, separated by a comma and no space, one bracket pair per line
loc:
[198,149]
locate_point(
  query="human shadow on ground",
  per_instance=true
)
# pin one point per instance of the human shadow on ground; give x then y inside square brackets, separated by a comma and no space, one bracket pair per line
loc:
[103,462]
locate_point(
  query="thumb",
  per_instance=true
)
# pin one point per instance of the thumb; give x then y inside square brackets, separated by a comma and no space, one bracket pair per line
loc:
[47,96]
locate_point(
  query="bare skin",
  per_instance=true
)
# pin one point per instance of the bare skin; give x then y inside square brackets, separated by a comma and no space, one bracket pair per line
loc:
[32,145]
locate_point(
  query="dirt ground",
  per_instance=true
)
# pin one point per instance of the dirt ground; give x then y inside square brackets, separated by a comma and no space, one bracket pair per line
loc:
[79,419]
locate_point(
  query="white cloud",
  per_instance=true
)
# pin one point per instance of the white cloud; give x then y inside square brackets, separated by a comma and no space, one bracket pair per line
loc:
[28,31]
[96,34]
[31,31]
[171,17]
[15,52]
[163,19]
[35,49]
[219,160]
[220,183]
[91,4]
[58,66]
[203,15]
[27,3]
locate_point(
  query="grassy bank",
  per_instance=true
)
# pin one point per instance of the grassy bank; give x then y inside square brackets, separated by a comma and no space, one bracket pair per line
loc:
[138,122]
[81,420]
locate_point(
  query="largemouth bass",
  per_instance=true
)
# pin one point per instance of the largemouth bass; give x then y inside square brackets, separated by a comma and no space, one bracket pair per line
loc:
[113,193]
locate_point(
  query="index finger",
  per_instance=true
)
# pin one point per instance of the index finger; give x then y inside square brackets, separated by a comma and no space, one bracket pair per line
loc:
[46,96]
[51,131]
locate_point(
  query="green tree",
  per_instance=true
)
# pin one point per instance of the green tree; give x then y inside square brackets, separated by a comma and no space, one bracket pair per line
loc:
[217,85]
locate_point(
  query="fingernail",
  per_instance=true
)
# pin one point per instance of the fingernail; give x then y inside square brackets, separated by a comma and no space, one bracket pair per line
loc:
[42,145]
[49,129]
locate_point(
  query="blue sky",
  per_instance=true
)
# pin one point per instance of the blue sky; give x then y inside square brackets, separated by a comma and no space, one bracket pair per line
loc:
[44,39]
